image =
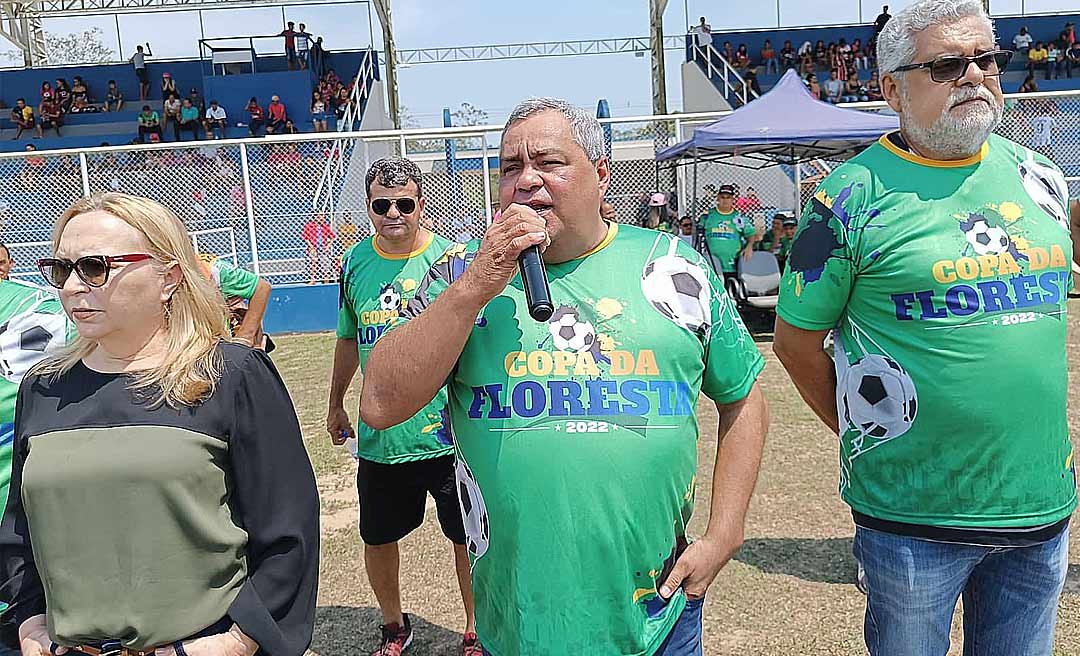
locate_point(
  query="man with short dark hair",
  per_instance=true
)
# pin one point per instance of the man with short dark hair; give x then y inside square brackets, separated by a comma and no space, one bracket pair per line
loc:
[215,120]
[138,60]
[881,20]
[22,115]
[290,44]
[400,465]
[1072,59]
[941,242]
[149,123]
[576,432]
[190,120]
[51,115]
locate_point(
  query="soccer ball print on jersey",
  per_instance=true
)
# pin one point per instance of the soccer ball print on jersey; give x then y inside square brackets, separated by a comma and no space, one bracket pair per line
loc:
[879,399]
[679,290]
[473,510]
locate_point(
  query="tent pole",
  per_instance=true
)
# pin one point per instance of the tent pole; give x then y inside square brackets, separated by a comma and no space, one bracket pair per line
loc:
[694,192]
[798,189]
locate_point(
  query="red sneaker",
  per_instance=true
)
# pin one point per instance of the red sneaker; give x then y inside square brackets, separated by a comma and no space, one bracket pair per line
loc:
[395,638]
[470,645]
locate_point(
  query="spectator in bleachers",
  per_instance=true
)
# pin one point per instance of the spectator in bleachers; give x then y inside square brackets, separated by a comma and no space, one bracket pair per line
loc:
[1037,56]
[276,115]
[858,57]
[149,123]
[80,106]
[138,60]
[727,52]
[318,111]
[870,54]
[47,92]
[290,44]
[114,98]
[256,116]
[342,101]
[290,128]
[51,115]
[881,20]
[171,114]
[768,58]
[702,34]
[197,101]
[79,89]
[807,67]
[742,59]
[1068,35]
[873,87]
[215,120]
[168,86]
[303,46]
[1072,59]
[1029,85]
[1054,60]
[1022,41]
[834,87]
[815,88]
[319,237]
[190,120]
[837,62]
[318,57]
[854,91]
[63,94]
[821,54]
[22,115]
[788,56]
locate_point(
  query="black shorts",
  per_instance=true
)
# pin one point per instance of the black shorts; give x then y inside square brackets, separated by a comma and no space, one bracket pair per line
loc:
[141,74]
[393,498]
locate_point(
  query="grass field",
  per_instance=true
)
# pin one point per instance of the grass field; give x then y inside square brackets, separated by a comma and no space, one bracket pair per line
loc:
[789,590]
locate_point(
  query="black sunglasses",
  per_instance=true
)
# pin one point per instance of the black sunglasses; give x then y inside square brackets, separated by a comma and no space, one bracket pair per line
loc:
[953,67]
[404,205]
[91,269]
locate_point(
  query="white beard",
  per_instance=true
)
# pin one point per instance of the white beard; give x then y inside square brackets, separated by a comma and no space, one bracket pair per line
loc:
[956,134]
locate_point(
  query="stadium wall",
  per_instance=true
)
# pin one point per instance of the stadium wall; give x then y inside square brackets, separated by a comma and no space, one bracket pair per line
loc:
[302,309]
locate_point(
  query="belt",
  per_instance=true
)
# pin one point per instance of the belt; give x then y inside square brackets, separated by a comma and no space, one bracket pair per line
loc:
[111,649]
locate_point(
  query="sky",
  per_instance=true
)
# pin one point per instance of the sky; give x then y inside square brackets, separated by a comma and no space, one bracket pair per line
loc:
[623,79]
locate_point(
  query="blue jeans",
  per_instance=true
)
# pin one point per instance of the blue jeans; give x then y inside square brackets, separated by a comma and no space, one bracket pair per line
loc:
[1010,595]
[685,636]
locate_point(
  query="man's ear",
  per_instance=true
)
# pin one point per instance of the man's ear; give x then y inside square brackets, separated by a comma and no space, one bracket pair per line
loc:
[892,89]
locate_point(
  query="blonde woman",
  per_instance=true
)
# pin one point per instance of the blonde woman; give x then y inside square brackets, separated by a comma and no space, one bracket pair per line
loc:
[159,473]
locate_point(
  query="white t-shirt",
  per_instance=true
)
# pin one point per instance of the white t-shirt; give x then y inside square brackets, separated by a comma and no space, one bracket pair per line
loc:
[1044,128]
[215,114]
[689,239]
[702,35]
[1021,41]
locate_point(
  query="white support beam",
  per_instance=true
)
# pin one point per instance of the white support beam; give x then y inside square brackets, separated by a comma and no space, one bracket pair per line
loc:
[635,44]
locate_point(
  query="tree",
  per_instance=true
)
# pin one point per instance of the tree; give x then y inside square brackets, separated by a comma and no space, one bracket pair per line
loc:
[465,116]
[86,47]
[410,122]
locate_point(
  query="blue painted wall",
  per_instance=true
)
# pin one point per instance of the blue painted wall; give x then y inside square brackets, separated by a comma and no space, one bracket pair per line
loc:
[302,309]
[233,91]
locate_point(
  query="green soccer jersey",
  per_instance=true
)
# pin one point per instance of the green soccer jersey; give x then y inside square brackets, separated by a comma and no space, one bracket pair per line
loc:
[726,235]
[947,285]
[577,440]
[32,324]
[231,280]
[374,287]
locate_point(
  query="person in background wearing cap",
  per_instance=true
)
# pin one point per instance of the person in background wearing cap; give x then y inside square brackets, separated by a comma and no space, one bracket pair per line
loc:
[728,233]
[276,115]
[785,241]
[657,211]
[197,101]
[168,86]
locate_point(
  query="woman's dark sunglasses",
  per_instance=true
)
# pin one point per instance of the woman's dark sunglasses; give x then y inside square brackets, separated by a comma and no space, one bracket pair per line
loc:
[952,67]
[382,205]
[91,269]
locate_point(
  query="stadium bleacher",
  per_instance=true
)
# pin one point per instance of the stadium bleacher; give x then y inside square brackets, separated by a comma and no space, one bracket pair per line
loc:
[1042,28]
[118,128]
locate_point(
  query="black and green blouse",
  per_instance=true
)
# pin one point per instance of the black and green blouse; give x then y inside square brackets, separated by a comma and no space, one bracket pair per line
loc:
[151,524]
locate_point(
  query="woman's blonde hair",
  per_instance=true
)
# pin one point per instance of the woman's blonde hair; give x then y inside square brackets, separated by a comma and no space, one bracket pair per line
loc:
[195,319]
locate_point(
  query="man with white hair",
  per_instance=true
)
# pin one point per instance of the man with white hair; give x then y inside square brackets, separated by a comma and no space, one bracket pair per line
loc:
[577,437]
[940,258]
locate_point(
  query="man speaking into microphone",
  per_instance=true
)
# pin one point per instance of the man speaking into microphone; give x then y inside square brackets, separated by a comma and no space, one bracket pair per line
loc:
[576,436]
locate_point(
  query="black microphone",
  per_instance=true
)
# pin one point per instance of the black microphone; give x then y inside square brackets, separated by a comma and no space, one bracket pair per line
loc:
[534,279]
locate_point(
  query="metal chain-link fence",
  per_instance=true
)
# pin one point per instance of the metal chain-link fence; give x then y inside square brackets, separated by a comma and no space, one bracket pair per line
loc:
[288,207]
